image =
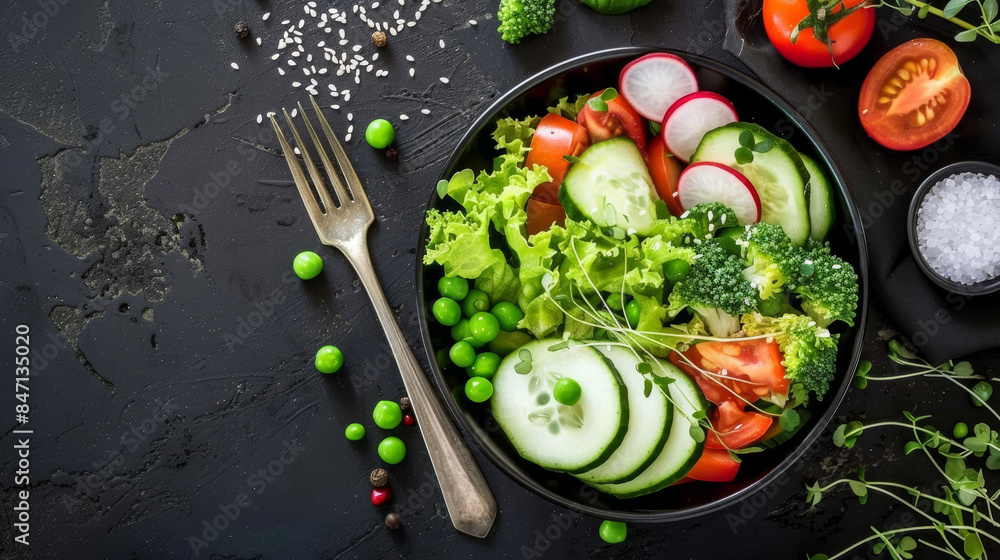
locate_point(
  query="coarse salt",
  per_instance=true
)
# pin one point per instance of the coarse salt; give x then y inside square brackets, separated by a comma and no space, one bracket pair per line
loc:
[957,230]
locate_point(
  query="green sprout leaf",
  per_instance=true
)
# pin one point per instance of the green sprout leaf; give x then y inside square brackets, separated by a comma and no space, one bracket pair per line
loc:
[962,369]
[571,159]
[697,433]
[973,546]
[967,36]
[743,155]
[442,188]
[952,8]
[813,494]
[647,388]
[789,419]
[644,368]
[557,346]
[763,147]
[898,349]
[747,139]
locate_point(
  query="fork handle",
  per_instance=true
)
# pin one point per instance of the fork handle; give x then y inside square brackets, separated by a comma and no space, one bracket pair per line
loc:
[467,496]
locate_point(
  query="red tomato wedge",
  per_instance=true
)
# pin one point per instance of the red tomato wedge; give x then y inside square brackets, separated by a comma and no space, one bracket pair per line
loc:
[718,388]
[715,465]
[541,215]
[665,169]
[758,359]
[847,36]
[620,119]
[914,95]
[555,137]
[736,428]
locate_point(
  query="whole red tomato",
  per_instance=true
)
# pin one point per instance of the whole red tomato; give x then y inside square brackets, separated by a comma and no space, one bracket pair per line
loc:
[847,34]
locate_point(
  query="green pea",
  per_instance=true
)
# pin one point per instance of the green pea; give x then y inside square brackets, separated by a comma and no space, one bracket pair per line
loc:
[461,331]
[447,311]
[354,432]
[613,531]
[456,288]
[567,391]
[392,450]
[614,301]
[960,430]
[442,358]
[462,354]
[485,365]
[478,389]
[379,133]
[771,306]
[508,314]
[675,270]
[329,359]
[484,326]
[387,414]
[307,265]
[475,302]
[983,391]
[632,312]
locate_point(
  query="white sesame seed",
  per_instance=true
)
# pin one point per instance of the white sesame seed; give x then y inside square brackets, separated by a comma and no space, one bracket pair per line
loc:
[296,150]
[392,31]
[444,80]
[335,107]
[321,44]
[271,113]
[348,137]
[395,15]
[441,43]
[298,40]
[312,4]
[302,23]
[356,48]
[409,58]
[328,30]
[350,129]
[260,118]
[291,62]
[322,71]
[295,112]
[281,44]
[265,16]
[378,26]
[281,71]
[473,22]
[374,57]
[343,42]
[234,65]
[259,41]
[411,23]
[425,111]
[275,56]
[296,53]
[374,5]
[403,117]
[411,72]
[354,8]
[296,84]
[416,16]
[285,22]
[347,96]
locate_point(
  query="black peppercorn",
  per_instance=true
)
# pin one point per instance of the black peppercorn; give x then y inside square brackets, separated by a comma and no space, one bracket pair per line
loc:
[392,155]
[379,478]
[404,403]
[379,39]
[393,521]
[242,29]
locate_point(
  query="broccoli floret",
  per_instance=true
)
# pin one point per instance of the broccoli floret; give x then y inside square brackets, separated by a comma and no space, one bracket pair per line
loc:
[827,286]
[715,290]
[519,18]
[809,350]
[710,217]
[771,258]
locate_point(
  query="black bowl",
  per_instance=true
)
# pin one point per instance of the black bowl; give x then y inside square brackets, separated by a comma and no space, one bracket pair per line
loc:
[979,288]
[755,103]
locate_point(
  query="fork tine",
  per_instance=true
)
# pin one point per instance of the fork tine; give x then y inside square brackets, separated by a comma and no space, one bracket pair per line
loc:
[331,172]
[324,194]
[357,191]
[312,207]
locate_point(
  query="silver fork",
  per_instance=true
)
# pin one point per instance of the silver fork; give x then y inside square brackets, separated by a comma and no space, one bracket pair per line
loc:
[342,222]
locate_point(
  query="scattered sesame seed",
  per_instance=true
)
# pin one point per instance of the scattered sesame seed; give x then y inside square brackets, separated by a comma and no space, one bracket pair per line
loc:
[295,112]
[259,41]
[281,71]
[348,137]
[411,72]
[260,118]
[444,80]
[296,84]
[374,57]
[473,22]
[265,16]
[275,56]
[234,65]
[404,117]
[425,111]
[291,62]
[441,43]
[285,22]
[409,58]
[296,149]
[356,48]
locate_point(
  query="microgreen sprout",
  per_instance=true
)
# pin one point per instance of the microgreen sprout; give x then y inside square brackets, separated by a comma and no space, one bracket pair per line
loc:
[749,145]
[599,103]
[987,27]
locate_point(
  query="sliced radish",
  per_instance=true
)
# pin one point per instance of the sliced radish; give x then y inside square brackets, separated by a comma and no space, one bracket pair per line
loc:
[708,181]
[652,83]
[691,116]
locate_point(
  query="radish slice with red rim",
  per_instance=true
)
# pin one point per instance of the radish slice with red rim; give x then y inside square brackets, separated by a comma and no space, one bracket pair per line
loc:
[707,181]
[652,83]
[693,115]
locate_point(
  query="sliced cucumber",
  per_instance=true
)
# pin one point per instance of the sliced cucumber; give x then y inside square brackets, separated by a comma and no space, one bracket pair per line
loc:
[649,423]
[778,175]
[611,187]
[681,451]
[558,437]
[820,195]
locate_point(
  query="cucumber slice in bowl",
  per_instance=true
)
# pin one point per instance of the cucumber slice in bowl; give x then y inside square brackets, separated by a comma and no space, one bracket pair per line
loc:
[681,451]
[611,187]
[777,174]
[820,195]
[552,435]
[650,416]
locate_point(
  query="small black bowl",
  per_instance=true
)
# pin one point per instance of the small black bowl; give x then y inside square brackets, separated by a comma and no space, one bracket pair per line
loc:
[979,288]
[476,150]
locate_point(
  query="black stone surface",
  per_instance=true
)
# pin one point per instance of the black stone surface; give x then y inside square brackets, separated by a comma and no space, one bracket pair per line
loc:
[147,227]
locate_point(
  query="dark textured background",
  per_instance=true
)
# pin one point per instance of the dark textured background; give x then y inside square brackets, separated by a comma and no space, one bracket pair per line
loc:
[173,349]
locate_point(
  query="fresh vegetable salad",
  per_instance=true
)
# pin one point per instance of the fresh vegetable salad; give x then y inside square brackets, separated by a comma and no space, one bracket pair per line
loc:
[639,289]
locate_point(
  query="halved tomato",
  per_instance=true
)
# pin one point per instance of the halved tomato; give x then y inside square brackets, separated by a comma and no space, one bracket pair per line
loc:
[715,465]
[716,386]
[541,215]
[665,169]
[555,137]
[757,358]
[619,119]
[914,95]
